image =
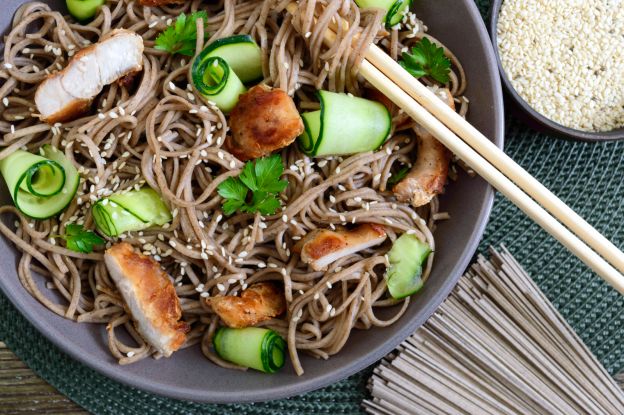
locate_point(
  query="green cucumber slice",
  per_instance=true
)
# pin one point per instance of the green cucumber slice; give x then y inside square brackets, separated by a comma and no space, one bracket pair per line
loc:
[344,125]
[254,347]
[216,82]
[42,185]
[83,10]
[240,52]
[395,9]
[406,257]
[130,211]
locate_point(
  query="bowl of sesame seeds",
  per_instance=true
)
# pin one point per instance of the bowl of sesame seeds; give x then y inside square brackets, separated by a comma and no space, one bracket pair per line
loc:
[562,62]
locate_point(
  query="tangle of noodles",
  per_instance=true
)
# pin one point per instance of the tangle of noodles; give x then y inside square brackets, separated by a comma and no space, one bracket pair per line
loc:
[161,134]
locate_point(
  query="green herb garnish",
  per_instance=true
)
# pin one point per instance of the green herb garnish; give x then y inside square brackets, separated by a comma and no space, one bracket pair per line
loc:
[398,176]
[181,36]
[427,59]
[79,240]
[260,177]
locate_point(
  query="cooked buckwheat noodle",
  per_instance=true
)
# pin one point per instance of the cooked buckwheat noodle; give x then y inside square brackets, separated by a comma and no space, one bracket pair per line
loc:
[160,134]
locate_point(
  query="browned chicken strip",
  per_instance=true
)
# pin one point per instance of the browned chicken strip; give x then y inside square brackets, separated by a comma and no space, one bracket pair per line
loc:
[156,3]
[428,176]
[264,120]
[150,297]
[321,247]
[258,303]
[65,95]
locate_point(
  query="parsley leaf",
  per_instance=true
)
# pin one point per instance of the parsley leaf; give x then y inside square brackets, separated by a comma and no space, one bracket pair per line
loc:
[79,240]
[260,177]
[180,37]
[398,176]
[427,59]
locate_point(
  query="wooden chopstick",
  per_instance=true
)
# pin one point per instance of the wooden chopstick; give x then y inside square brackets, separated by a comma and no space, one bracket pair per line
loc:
[495,156]
[497,179]
[407,93]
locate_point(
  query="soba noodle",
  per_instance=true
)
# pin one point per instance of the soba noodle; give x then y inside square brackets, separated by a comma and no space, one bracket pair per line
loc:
[163,136]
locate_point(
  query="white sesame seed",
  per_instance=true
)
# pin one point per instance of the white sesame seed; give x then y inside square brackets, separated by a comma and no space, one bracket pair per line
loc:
[577,84]
[130,354]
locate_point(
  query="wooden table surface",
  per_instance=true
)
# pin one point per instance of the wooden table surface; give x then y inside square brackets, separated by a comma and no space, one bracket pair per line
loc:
[23,392]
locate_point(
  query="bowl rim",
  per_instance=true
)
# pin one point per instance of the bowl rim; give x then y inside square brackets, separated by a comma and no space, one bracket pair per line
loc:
[547,124]
[306,385]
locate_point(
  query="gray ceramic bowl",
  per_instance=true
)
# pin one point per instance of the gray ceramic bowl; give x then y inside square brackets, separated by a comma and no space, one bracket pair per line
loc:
[188,375]
[534,118]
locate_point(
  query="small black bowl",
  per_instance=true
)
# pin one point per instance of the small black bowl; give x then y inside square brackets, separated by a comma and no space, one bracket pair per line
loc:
[534,118]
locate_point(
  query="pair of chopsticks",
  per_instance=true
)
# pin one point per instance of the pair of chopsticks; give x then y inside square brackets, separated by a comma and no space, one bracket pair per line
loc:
[491,163]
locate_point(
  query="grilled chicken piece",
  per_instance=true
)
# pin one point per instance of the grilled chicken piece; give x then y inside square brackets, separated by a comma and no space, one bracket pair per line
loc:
[264,120]
[68,93]
[156,3]
[150,297]
[428,176]
[321,247]
[259,302]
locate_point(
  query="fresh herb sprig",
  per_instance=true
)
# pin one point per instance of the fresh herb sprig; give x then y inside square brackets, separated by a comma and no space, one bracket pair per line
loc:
[427,59]
[398,176]
[256,188]
[79,240]
[180,37]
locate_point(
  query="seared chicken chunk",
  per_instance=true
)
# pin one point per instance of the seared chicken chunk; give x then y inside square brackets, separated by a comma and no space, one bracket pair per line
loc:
[321,247]
[428,176]
[264,120]
[68,93]
[259,302]
[150,297]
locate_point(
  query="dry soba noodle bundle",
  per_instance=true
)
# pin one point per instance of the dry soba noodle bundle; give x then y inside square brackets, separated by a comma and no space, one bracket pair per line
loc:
[159,133]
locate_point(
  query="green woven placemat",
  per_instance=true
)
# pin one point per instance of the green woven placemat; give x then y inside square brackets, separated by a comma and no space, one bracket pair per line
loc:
[586,176]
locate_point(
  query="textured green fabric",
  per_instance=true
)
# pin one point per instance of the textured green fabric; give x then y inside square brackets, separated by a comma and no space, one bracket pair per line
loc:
[587,176]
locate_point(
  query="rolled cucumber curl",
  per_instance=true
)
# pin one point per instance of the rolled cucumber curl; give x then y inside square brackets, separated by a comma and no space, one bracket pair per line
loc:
[216,82]
[344,125]
[41,185]
[83,10]
[255,347]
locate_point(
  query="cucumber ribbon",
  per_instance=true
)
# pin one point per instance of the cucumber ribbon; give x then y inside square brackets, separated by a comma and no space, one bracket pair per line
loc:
[395,9]
[258,348]
[219,71]
[344,125]
[41,185]
[130,211]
